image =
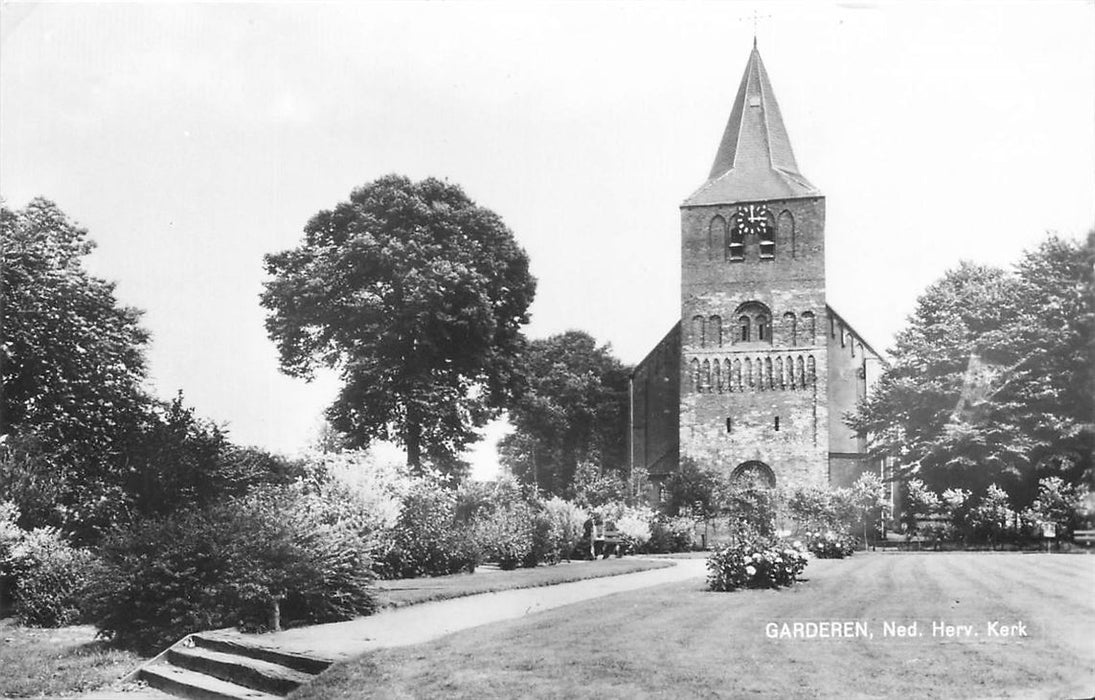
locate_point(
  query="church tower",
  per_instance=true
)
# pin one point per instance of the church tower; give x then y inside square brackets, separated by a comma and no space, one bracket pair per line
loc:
[754,378]
[753,395]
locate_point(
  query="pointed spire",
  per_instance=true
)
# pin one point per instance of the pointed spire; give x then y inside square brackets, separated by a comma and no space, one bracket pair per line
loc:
[754,160]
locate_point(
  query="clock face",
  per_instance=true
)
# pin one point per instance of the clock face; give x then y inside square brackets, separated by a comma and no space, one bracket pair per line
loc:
[752,218]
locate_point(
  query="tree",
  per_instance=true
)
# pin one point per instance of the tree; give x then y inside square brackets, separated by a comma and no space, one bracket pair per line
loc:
[73,364]
[571,408]
[991,381]
[416,295]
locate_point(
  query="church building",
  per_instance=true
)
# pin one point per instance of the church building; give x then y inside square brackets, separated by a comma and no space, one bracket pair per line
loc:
[754,378]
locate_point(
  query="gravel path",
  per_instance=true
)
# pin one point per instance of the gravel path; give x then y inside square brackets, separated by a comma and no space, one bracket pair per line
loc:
[427,621]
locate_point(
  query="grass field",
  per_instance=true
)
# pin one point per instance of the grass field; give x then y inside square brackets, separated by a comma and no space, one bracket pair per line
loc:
[408,591]
[681,641]
[57,662]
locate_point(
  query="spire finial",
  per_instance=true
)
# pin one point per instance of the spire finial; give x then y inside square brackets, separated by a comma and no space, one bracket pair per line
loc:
[756,19]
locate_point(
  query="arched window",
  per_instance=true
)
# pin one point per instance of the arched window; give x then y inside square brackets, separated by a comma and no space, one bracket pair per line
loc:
[753,475]
[808,327]
[749,373]
[728,376]
[781,381]
[811,371]
[768,241]
[754,323]
[716,235]
[800,372]
[714,331]
[716,377]
[785,227]
[790,329]
[735,379]
[791,383]
[706,379]
[694,372]
[768,373]
[735,249]
[697,331]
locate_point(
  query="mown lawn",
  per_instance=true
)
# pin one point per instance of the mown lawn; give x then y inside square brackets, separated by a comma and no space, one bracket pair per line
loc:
[400,592]
[679,640]
[57,662]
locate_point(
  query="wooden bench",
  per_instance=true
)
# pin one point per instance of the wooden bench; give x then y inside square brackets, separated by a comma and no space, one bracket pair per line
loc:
[1084,537]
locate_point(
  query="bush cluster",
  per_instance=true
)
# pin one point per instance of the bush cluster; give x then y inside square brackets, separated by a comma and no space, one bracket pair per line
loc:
[755,561]
[671,534]
[42,576]
[961,517]
[255,562]
[507,535]
[829,545]
[427,539]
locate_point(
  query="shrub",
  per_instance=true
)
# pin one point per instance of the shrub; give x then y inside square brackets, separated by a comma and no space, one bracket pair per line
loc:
[505,536]
[752,510]
[1059,503]
[993,519]
[920,502]
[754,561]
[633,525]
[49,577]
[830,545]
[245,561]
[427,539]
[10,537]
[671,534]
[565,527]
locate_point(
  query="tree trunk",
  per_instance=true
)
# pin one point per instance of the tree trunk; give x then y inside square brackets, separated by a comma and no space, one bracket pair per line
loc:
[413,441]
[275,615]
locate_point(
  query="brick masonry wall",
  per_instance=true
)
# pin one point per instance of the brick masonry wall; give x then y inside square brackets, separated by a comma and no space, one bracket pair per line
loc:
[713,286]
[853,369]
[655,387]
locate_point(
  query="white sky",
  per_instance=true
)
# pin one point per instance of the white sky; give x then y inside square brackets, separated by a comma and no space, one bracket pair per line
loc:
[193,138]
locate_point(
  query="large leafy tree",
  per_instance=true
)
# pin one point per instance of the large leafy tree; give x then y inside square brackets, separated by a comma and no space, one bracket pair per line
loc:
[84,445]
[991,380]
[572,408]
[73,364]
[416,295]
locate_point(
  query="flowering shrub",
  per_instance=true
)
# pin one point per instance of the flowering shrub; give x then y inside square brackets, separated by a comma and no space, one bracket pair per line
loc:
[830,545]
[632,523]
[361,489]
[427,540]
[41,574]
[751,561]
[671,534]
[993,519]
[565,522]
[634,527]
[1058,503]
[505,535]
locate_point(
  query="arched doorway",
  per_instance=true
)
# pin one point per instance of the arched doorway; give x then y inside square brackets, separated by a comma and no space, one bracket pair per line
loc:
[753,474]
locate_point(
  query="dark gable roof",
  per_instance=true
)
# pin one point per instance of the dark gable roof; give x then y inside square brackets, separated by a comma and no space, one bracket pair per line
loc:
[754,161]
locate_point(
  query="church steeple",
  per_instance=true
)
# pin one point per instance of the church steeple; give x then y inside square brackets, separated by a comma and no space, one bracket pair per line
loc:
[754,160]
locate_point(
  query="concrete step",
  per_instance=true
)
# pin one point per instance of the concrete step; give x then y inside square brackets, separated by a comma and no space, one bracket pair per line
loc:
[239,647]
[193,685]
[253,673]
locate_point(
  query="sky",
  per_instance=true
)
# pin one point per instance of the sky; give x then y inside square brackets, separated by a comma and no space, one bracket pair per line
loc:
[192,139]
